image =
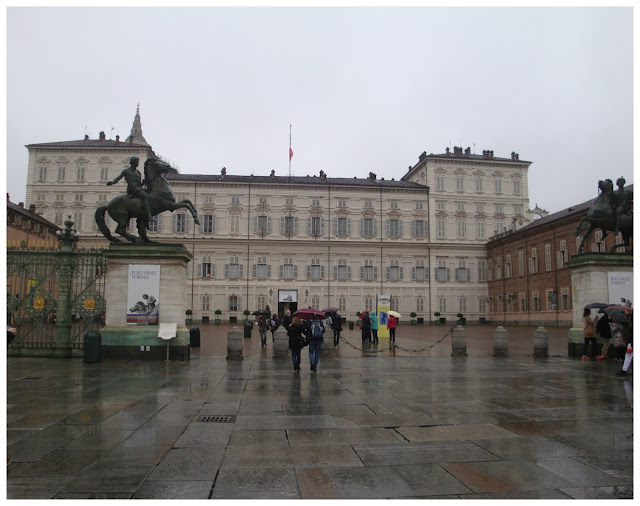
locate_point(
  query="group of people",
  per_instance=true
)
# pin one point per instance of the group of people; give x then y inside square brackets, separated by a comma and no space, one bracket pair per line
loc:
[301,333]
[607,329]
[369,324]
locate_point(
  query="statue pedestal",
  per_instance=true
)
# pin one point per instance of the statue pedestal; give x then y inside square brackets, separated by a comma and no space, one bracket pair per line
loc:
[141,342]
[590,282]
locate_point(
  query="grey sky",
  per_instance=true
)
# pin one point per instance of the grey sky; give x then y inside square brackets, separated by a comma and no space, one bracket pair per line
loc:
[366,89]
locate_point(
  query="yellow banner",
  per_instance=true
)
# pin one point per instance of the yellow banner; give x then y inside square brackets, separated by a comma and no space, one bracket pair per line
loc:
[384,306]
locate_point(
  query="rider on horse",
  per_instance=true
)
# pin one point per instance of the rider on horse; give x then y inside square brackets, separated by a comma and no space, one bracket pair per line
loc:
[134,185]
[622,202]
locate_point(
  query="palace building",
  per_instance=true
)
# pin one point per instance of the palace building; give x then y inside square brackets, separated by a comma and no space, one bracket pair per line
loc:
[299,241]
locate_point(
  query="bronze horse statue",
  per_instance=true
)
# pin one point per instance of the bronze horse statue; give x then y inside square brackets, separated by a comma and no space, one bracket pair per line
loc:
[602,214]
[124,207]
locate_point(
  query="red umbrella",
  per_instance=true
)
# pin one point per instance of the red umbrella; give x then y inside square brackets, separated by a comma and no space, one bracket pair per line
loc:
[330,310]
[308,312]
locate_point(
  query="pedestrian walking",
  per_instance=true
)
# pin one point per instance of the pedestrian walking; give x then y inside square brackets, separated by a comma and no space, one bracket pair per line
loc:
[297,340]
[262,329]
[366,327]
[273,326]
[603,329]
[589,333]
[374,326]
[316,330]
[619,340]
[392,323]
[337,328]
[286,319]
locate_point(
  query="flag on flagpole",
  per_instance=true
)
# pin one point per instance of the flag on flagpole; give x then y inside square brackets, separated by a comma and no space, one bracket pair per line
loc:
[290,152]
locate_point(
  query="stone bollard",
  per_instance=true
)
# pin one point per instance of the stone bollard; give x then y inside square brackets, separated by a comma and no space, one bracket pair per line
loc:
[280,343]
[458,342]
[541,342]
[500,342]
[234,344]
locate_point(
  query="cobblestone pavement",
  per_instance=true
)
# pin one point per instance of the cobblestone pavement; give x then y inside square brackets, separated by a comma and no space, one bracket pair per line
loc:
[393,424]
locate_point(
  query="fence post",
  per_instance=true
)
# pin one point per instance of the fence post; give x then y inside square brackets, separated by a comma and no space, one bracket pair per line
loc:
[68,239]
[280,343]
[541,343]
[234,344]
[458,342]
[500,342]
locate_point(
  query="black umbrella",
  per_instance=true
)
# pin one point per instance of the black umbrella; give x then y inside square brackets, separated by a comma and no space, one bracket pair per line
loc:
[260,311]
[596,305]
[618,315]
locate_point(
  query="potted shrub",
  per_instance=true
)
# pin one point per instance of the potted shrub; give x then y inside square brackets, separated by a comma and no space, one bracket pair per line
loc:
[413,317]
[187,320]
[461,319]
[217,320]
[437,315]
[246,314]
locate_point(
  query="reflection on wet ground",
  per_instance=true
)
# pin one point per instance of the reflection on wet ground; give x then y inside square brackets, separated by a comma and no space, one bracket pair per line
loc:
[394,424]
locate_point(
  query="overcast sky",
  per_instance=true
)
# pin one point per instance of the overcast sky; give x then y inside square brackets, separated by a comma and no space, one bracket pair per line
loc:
[366,89]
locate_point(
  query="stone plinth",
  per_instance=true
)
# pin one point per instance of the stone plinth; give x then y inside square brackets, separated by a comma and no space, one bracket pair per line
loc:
[590,283]
[120,340]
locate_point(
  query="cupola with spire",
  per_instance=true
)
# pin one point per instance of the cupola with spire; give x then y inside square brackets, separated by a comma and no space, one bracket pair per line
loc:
[136,136]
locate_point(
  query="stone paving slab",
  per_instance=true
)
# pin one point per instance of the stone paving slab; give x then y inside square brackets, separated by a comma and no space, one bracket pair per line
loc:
[401,426]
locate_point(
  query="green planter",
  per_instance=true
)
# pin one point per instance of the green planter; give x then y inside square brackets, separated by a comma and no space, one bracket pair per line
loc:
[217,321]
[414,322]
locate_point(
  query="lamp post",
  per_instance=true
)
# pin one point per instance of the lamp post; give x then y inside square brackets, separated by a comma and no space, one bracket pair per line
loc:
[270,294]
[306,296]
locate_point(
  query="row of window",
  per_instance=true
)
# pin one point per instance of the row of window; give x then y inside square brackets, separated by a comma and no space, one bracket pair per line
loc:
[313,301]
[462,184]
[62,173]
[480,208]
[550,301]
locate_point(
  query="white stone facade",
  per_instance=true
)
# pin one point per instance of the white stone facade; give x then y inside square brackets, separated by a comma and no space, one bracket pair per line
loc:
[325,241]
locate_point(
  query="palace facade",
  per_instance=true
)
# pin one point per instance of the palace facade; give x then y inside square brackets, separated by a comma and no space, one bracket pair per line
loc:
[299,241]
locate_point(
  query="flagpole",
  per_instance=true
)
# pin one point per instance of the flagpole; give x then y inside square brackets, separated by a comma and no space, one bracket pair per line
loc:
[289,149]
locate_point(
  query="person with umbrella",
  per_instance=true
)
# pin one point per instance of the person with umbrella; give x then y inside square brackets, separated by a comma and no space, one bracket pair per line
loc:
[336,323]
[262,328]
[297,340]
[392,323]
[589,332]
[273,326]
[603,329]
[316,329]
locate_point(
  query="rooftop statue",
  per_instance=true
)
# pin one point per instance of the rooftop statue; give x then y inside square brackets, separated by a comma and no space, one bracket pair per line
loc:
[611,211]
[145,198]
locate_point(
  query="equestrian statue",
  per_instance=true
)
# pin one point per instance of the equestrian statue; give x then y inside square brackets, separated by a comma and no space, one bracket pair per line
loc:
[145,199]
[612,211]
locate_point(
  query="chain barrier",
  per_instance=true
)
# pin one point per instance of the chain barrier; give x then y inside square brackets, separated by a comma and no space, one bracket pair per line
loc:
[380,350]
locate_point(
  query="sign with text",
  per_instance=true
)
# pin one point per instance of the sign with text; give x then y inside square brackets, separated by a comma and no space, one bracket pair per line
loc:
[620,286]
[143,294]
[384,306]
[287,295]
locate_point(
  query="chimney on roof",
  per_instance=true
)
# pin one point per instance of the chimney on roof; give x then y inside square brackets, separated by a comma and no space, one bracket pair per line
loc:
[32,208]
[323,175]
[372,176]
[102,136]
[117,138]
[86,137]
[467,151]
[21,204]
[8,198]
[447,151]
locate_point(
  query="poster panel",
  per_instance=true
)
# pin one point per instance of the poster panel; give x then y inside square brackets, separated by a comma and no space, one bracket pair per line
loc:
[287,295]
[143,294]
[620,286]
[384,305]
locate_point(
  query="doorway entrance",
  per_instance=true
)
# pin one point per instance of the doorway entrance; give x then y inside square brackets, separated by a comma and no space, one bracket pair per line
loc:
[287,299]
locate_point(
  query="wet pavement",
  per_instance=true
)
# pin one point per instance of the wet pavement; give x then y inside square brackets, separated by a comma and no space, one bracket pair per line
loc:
[391,424]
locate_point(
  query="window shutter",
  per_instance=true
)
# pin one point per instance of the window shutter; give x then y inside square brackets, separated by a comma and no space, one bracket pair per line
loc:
[187,223]
[254,271]
[269,271]
[388,273]
[362,227]
[322,271]
[401,274]
[309,225]
[413,273]
[400,228]
[226,270]
[468,274]
[388,231]
[242,270]
[295,226]
[308,272]
[199,274]
[348,272]
[335,272]
[175,223]
[213,270]
[348,226]
[268,224]
[282,222]
[335,226]
[375,226]
[375,273]
[255,224]
[281,271]
[361,272]
[448,274]
[295,272]
[322,226]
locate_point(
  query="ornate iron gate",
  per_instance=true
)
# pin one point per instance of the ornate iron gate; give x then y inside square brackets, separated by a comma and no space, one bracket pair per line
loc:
[55,295]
